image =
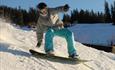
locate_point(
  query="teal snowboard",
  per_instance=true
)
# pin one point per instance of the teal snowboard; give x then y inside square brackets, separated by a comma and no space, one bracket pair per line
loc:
[56,58]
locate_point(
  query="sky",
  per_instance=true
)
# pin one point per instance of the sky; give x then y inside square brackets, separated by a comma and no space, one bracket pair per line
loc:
[96,5]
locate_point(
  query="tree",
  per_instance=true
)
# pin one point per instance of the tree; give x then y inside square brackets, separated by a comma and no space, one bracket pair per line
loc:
[113,13]
[74,16]
[66,19]
[107,13]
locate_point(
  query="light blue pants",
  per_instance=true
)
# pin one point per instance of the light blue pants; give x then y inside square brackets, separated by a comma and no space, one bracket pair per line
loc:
[64,32]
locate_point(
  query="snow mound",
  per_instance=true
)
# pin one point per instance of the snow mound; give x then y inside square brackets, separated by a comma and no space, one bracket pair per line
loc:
[14,55]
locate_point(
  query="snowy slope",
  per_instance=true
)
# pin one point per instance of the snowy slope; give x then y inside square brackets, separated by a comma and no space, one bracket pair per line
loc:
[14,55]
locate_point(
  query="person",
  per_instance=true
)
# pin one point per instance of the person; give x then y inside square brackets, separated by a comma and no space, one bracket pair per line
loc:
[50,23]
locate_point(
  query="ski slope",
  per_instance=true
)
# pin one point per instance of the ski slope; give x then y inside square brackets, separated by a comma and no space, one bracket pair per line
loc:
[14,55]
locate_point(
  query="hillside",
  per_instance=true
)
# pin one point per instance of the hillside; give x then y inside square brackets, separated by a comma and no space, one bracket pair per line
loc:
[14,55]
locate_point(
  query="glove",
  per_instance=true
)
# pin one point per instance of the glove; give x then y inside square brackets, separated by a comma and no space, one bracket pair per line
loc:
[38,44]
[66,7]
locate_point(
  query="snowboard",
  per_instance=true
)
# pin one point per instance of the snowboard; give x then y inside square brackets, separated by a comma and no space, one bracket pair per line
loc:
[56,58]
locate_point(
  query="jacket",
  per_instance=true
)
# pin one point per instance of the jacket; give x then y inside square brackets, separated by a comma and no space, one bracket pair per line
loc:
[49,21]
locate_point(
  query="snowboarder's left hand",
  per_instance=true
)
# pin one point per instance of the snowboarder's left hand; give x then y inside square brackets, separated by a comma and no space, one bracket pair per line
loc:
[66,7]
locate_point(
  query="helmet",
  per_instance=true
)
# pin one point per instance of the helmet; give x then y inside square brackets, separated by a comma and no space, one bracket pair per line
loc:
[41,5]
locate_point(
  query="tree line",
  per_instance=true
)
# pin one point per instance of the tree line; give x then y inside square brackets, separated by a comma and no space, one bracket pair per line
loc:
[23,17]
[19,16]
[86,16]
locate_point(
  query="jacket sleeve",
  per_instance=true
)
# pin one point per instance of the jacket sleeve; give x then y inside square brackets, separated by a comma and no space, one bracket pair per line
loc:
[57,9]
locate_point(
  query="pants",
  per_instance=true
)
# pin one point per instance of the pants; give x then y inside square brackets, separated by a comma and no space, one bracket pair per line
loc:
[39,39]
[65,33]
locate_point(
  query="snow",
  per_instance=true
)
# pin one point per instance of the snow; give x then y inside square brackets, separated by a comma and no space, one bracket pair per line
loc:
[14,55]
[97,34]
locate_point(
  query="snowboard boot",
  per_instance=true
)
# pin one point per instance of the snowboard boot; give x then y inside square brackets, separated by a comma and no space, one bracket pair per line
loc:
[50,53]
[74,56]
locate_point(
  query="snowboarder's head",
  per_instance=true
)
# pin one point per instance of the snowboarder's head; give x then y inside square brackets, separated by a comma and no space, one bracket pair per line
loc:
[42,8]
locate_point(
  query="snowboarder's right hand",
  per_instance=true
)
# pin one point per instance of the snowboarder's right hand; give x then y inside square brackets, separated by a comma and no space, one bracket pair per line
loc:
[66,7]
[38,44]
[61,25]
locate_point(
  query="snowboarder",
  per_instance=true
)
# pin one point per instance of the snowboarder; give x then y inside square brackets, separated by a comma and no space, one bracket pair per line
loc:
[50,23]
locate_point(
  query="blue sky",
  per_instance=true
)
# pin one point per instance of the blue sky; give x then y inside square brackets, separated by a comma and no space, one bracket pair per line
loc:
[96,5]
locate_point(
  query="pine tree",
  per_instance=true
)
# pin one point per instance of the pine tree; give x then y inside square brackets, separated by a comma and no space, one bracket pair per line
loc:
[74,16]
[66,20]
[107,13]
[113,13]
